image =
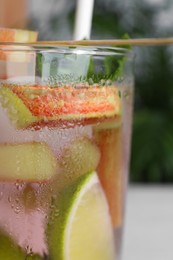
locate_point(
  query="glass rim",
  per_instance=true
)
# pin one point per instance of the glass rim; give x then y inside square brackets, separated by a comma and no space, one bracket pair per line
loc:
[65,49]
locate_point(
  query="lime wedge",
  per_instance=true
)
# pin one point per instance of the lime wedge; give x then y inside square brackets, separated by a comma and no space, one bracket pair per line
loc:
[34,257]
[79,226]
[8,250]
[17,112]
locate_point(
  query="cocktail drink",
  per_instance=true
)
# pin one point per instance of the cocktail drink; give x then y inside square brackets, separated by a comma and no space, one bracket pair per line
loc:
[65,123]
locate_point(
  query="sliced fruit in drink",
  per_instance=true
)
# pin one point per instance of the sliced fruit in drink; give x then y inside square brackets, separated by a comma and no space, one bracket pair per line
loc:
[109,142]
[80,157]
[10,56]
[27,162]
[34,257]
[70,102]
[108,124]
[82,228]
[8,249]
[17,35]
[11,251]
[63,104]
[17,112]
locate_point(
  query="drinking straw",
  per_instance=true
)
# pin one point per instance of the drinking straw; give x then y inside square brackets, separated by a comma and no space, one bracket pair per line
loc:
[83,19]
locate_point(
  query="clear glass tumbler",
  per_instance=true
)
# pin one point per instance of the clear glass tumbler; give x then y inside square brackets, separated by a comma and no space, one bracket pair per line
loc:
[65,126]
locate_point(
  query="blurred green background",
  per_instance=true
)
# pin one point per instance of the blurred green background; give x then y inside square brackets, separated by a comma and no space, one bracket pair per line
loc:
[152,140]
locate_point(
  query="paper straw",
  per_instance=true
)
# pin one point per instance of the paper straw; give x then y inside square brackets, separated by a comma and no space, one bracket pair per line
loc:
[83,20]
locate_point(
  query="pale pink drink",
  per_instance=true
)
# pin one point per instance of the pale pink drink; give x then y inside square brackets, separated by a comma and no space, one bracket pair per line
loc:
[65,123]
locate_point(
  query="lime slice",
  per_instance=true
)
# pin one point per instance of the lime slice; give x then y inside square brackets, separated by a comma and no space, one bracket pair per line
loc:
[8,250]
[33,257]
[17,112]
[80,157]
[80,226]
[27,162]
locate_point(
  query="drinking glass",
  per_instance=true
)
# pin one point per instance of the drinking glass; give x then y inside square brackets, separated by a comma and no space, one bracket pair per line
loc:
[65,127]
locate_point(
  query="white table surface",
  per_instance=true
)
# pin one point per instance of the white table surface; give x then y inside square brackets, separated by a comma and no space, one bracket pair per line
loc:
[148,233]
